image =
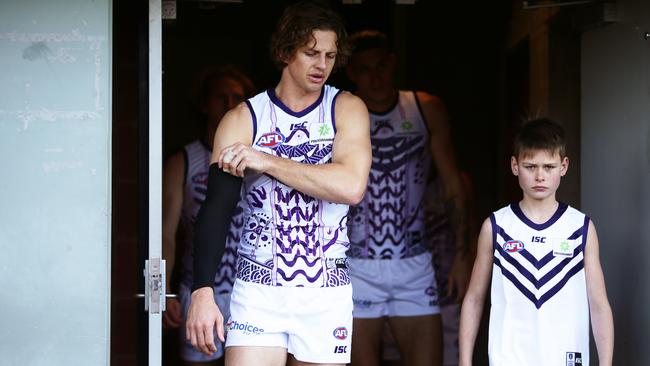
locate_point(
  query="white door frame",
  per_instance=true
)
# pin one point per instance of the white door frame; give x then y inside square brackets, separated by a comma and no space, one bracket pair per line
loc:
[155,187]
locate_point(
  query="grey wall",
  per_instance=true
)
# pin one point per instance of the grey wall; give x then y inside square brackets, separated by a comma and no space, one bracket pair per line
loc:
[616,168]
[55,136]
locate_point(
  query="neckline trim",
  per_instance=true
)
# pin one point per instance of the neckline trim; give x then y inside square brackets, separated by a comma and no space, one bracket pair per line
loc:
[274,98]
[561,208]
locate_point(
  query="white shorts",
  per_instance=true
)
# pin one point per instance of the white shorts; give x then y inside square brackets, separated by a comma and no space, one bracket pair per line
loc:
[394,287]
[187,351]
[314,324]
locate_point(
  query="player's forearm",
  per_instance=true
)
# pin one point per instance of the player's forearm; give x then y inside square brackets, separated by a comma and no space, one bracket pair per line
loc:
[470,318]
[334,182]
[602,324]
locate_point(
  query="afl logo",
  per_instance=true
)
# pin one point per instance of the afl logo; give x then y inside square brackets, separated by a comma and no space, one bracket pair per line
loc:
[270,139]
[340,333]
[513,246]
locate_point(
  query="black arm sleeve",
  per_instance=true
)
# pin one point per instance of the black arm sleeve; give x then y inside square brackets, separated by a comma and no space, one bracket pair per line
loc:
[212,223]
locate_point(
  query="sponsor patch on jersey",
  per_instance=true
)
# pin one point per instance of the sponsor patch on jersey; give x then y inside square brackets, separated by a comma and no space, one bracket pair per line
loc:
[340,333]
[573,359]
[513,246]
[321,133]
[562,247]
[270,139]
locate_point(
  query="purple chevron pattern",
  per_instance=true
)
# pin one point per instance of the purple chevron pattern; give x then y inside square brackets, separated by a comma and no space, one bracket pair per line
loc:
[541,271]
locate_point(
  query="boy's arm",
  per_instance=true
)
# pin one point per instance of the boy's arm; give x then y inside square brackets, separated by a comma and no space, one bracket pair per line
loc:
[602,322]
[472,308]
[344,180]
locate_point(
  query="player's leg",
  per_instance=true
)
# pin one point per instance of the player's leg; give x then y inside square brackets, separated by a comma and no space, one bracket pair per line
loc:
[450,326]
[366,341]
[255,356]
[425,349]
[294,362]
[370,294]
[414,311]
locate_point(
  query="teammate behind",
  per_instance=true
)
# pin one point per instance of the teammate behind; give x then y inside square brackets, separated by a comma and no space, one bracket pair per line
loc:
[542,256]
[184,185]
[391,264]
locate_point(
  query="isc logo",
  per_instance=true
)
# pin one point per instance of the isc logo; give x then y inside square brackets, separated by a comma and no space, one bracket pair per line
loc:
[270,139]
[340,333]
[341,349]
[513,246]
[538,239]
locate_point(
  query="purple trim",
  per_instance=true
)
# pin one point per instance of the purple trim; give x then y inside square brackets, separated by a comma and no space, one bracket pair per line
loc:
[576,234]
[555,289]
[250,107]
[274,98]
[513,279]
[424,119]
[561,208]
[585,231]
[493,221]
[333,109]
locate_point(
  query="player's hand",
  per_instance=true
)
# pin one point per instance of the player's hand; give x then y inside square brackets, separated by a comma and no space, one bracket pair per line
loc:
[173,315]
[458,278]
[237,158]
[202,317]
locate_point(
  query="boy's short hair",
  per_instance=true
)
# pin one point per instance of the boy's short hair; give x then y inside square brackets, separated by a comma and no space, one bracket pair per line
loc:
[295,29]
[540,134]
[370,40]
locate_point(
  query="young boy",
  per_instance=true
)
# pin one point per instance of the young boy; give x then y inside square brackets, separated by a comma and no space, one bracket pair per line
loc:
[546,274]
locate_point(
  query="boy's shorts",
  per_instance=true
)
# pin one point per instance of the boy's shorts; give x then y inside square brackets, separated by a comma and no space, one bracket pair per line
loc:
[187,351]
[314,324]
[394,287]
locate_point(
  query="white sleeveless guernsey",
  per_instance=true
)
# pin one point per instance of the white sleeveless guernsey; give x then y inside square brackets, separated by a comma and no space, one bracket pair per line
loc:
[197,163]
[291,238]
[539,314]
[389,223]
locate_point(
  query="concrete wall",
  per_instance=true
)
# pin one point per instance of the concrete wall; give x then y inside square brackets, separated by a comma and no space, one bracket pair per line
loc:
[55,144]
[615,182]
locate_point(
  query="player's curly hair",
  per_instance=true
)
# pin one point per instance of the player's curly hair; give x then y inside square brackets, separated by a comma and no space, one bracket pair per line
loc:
[295,29]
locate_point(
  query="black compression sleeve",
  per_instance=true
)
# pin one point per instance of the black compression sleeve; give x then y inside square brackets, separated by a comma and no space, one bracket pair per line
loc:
[212,223]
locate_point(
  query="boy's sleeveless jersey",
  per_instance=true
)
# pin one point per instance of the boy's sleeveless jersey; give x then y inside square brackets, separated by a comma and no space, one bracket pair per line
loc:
[389,222]
[197,163]
[291,238]
[539,314]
